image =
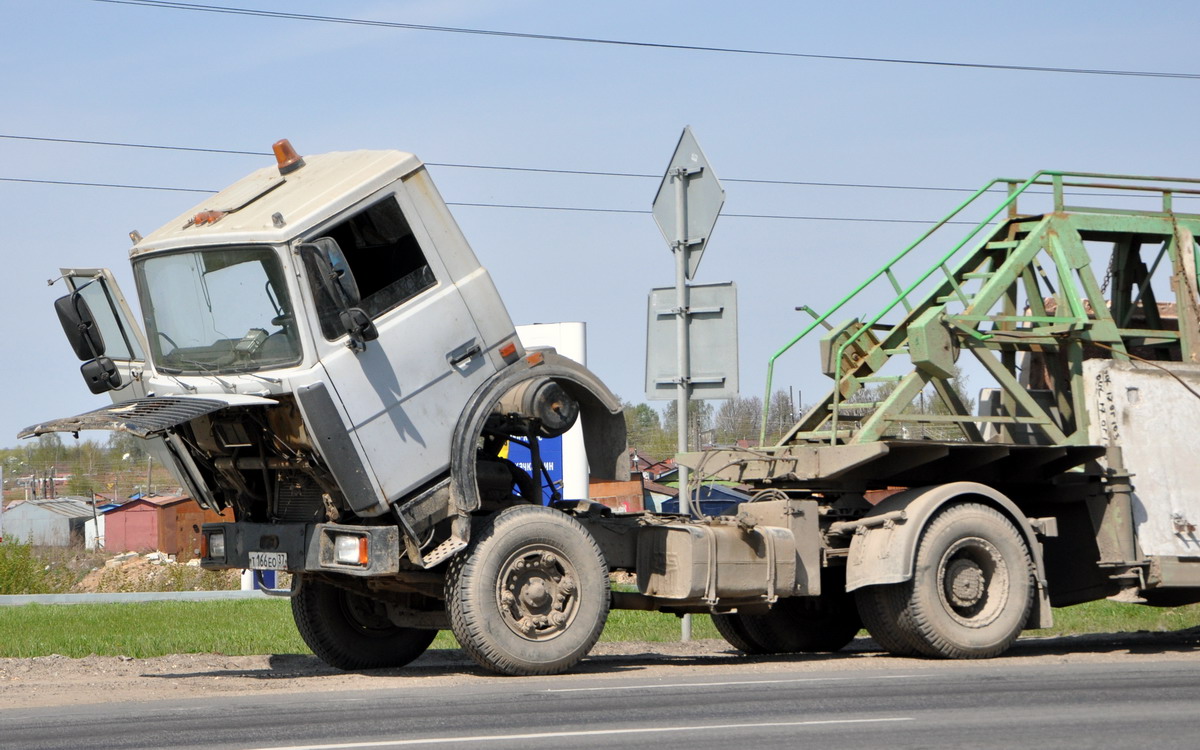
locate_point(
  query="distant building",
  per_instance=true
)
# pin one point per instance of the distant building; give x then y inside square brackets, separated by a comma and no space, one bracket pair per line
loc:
[623,497]
[169,524]
[647,466]
[656,494]
[54,522]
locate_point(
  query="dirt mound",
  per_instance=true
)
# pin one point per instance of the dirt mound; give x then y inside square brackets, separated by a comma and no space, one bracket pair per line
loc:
[154,571]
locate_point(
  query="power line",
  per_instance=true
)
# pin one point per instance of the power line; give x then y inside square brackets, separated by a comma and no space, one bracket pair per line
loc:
[723,214]
[507,168]
[577,209]
[75,183]
[228,10]
[494,167]
[80,141]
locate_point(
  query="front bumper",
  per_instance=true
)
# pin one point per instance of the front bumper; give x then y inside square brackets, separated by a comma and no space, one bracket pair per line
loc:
[307,547]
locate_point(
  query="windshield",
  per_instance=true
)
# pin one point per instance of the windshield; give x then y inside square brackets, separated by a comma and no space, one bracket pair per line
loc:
[225,310]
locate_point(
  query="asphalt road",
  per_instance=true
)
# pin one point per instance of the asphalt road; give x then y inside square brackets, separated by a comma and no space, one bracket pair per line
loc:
[1105,705]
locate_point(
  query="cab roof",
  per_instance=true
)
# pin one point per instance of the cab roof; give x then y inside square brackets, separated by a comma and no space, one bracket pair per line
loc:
[247,210]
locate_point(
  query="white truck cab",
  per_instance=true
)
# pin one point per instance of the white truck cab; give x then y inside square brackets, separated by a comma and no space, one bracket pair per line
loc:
[323,353]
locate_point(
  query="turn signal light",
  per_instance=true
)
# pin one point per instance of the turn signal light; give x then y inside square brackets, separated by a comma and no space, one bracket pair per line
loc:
[208,217]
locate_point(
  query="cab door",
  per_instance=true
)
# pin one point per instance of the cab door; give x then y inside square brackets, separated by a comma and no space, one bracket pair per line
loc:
[124,342]
[401,393]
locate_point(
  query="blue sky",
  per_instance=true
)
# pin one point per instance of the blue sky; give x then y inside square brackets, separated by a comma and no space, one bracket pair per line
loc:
[79,69]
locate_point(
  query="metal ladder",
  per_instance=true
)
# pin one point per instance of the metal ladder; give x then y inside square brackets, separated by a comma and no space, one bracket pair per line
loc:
[967,302]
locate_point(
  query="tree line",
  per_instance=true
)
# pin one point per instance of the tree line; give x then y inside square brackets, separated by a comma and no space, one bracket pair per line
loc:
[732,421]
[728,424]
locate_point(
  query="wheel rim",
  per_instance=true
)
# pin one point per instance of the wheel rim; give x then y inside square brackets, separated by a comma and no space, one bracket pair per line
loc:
[364,615]
[538,592]
[973,582]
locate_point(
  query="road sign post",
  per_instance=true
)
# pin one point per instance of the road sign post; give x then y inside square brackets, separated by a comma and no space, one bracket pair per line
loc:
[683,370]
[686,208]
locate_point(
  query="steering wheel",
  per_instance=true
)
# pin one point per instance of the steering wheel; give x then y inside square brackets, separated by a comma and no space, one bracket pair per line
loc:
[168,339]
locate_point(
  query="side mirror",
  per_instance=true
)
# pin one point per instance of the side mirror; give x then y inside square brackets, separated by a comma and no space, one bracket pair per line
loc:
[335,268]
[331,275]
[360,327]
[80,326]
[101,375]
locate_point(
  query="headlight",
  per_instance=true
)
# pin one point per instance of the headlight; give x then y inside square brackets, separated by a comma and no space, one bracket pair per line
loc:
[216,545]
[350,550]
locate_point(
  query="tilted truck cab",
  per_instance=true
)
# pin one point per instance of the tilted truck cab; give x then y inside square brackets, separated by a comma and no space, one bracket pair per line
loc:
[321,347]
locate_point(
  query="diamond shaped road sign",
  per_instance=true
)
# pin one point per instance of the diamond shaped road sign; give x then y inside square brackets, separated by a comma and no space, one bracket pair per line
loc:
[702,198]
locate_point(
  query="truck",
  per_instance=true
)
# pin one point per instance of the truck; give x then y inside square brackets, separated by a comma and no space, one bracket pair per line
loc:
[321,351]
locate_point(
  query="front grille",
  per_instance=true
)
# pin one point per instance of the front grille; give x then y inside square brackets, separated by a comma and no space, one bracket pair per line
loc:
[298,498]
[143,417]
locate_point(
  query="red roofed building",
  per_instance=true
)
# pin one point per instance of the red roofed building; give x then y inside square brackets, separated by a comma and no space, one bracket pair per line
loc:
[168,524]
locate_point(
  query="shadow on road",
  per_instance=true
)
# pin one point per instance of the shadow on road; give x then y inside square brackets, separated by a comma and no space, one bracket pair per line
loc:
[617,658]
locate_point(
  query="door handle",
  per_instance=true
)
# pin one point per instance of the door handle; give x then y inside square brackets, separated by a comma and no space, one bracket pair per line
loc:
[461,354]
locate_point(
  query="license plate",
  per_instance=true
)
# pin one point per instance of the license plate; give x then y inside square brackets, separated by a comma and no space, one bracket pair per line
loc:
[268,561]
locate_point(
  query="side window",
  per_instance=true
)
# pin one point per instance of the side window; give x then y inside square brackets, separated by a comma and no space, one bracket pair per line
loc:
[383,257]
[119,343]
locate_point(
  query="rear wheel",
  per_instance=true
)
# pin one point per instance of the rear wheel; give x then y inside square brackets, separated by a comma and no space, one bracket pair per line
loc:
[733,630]
[530,595]
[351,631]
[796,624]
[970,594]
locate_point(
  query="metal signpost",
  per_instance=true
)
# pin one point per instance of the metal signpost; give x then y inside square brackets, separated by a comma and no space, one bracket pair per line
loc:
[686,207]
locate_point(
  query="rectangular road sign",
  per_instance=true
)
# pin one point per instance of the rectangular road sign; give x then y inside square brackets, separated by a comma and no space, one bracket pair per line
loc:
[712,330]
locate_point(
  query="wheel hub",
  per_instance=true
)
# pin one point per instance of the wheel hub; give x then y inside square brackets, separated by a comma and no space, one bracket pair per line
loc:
[964,583]
[973,582]
[536,592]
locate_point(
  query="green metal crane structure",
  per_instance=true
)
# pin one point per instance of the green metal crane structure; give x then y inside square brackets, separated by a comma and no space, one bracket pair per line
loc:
[1030,287]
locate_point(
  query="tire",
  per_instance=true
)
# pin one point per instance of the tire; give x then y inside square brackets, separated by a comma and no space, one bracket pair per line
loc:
[801,624]
[351,631]
[733,630]
[970,594]
[530,595]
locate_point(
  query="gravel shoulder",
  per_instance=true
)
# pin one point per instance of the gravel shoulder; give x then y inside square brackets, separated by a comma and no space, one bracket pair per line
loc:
[62,681]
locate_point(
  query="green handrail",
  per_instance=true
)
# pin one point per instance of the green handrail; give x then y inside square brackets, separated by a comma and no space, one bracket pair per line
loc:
[1015,189]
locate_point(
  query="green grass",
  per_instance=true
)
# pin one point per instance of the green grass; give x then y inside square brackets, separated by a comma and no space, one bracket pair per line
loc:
[629,625]
[1117,617]
[239,627]
[149,629]
[245,627]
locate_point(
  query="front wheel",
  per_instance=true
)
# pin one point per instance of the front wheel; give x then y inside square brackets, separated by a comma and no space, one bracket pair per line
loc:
[351,631]
[970,594]
[530,595]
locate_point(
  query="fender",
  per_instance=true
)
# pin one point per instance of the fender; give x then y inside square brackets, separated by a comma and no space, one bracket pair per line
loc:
[457,495]
[599,411]
[884,546]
